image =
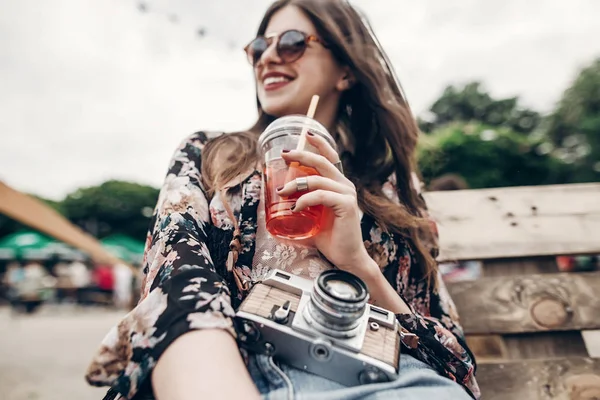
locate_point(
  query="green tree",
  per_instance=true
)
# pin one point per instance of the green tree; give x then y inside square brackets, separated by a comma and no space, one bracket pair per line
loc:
[112,207]
[473,103]
[489,156]
[574,127]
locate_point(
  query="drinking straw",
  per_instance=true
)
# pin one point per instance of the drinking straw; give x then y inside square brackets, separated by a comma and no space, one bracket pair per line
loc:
[312,108]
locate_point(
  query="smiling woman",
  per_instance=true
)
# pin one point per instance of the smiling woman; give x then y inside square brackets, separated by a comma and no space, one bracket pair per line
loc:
[208,243]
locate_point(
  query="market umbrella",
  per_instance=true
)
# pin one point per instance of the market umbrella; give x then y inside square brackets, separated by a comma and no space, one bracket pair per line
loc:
[124,247]
[132,245]
[34,245]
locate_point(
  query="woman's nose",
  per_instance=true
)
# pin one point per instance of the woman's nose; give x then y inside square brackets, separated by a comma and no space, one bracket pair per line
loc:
[270,55]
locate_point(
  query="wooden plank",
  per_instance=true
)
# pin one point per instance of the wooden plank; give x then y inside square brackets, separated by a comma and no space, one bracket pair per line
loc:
[530,303]
[488,348]
[528,346]
[592,342]
[517,222]
[543,345]
[38,215]
[558,379]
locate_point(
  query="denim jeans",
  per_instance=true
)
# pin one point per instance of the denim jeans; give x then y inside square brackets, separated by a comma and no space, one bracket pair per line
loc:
[417,381]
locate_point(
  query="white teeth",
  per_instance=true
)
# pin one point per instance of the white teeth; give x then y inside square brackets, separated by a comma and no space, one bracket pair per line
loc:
[275,79]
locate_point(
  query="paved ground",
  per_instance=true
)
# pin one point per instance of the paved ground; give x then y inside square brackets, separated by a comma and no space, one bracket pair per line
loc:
[44,356]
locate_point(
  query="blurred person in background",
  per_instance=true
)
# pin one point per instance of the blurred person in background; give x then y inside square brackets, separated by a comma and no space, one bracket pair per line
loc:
[13,277]
[81,280]
[123,277]
[64,286]
[178,342]
[448,182]
[104,283]
[34,288]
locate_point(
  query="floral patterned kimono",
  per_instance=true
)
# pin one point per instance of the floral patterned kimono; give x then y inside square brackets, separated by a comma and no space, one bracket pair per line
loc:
[186,285]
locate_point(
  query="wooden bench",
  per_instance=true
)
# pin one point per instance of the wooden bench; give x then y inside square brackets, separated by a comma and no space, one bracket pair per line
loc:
[527,323]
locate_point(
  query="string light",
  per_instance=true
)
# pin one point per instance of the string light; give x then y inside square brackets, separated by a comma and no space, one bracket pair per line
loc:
[145,8]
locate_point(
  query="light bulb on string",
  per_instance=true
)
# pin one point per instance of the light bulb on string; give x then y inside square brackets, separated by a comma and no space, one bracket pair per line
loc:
[145,8]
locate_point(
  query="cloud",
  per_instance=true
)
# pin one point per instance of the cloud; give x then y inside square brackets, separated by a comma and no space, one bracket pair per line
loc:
[93,90]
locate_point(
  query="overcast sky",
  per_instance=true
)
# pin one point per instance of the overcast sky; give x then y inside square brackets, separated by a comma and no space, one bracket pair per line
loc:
[92,90]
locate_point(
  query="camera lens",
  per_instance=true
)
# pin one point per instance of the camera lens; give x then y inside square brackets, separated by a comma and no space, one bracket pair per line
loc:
[337,303]
[342,286]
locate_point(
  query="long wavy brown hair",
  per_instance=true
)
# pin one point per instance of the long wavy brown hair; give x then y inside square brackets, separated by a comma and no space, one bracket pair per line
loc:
[373,116]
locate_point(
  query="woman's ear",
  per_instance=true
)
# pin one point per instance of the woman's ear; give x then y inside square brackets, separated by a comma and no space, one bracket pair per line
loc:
[346,81]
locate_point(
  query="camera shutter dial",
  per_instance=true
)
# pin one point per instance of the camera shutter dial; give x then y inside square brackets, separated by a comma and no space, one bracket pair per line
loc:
[282,313]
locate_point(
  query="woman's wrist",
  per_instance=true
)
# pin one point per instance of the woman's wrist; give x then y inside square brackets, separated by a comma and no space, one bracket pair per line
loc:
[381,293]
[363,267]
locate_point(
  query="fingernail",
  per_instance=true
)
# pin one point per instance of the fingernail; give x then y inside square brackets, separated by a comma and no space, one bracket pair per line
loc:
[285,151]
[279,189]
[293,207]
[309,133]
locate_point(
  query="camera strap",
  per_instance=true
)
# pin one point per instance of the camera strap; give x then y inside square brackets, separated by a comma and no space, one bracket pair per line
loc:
[407,338]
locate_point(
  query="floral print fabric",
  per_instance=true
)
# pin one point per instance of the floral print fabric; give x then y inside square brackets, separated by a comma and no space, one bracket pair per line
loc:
[186,286]
[295,259]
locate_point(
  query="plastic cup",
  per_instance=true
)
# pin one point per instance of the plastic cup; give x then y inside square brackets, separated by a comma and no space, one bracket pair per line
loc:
[284,133]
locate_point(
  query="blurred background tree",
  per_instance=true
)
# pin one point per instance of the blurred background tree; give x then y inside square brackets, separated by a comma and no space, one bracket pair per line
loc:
[574,127]
[112,207]
[472,103]
[497,142]
[488,156]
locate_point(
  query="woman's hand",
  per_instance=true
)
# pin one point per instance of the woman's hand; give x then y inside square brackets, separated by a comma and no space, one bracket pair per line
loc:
[340,239]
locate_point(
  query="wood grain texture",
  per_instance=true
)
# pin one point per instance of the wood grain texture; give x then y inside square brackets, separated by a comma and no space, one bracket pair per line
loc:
[263,297]
[527,346]
[529,303]
[558,379]
[542,345]
[488,348]
[383,345]
[517,222]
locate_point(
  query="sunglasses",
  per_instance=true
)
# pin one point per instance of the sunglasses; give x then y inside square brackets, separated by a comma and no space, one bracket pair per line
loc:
[290,46]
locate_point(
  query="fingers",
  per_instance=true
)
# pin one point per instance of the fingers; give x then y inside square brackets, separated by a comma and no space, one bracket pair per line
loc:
[323,146]
[323,166]
[341,204]
[316,182]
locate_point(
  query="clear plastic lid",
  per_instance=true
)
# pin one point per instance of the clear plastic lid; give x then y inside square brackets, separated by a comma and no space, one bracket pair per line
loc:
[293,125]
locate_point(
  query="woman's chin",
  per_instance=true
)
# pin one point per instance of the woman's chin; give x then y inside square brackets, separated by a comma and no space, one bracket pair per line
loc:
[278,109]
[281,102]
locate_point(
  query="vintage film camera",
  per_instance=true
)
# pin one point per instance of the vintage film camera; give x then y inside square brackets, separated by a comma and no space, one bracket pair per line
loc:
[324,327]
